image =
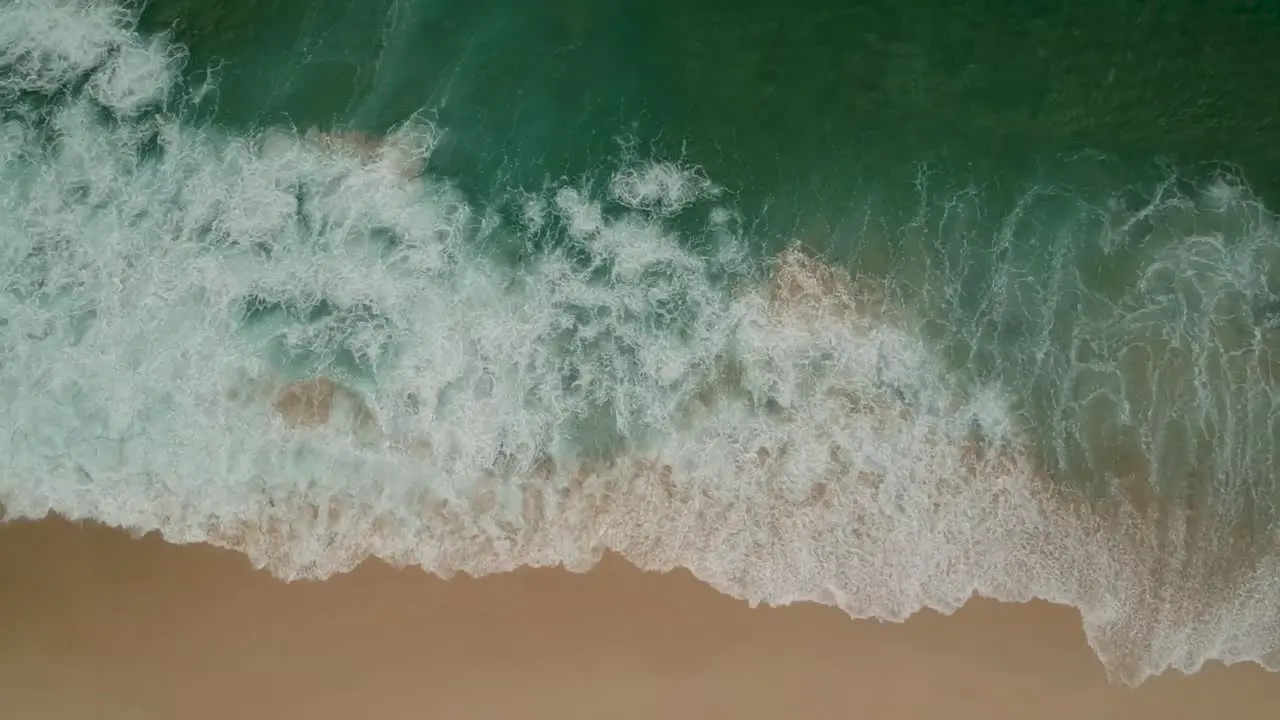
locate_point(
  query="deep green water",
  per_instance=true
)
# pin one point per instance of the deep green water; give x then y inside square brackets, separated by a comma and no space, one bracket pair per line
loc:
[786,96]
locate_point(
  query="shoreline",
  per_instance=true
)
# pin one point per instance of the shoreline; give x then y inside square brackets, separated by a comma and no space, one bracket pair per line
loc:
[96,622]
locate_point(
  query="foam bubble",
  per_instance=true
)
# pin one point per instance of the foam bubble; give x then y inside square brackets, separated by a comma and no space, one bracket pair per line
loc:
[664,187]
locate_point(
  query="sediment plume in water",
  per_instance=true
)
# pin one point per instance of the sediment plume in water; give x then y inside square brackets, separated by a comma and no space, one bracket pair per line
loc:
[297,348]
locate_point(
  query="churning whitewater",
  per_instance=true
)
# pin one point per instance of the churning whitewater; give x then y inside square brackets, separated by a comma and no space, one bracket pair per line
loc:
[299,344]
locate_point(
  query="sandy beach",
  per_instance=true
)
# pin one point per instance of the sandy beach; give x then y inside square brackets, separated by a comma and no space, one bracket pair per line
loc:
[94,623]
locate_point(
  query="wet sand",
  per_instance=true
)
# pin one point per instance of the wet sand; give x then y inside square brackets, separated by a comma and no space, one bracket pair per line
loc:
[94,623]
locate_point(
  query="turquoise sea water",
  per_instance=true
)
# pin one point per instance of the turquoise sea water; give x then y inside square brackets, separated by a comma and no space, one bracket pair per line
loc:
[877,307]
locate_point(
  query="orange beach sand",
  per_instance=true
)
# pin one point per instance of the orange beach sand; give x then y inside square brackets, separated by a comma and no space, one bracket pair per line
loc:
[96,624]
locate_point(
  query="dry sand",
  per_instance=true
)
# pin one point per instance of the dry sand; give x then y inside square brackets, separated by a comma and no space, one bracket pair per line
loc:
[95,624]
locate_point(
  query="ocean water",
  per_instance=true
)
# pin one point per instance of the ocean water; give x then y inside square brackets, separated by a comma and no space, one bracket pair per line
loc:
[880,307]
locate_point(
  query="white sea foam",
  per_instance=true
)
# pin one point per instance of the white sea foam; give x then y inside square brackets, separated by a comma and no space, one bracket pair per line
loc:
[46,45]
[787,434]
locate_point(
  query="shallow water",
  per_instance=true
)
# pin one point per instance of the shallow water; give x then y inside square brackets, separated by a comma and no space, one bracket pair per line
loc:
[821,304]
